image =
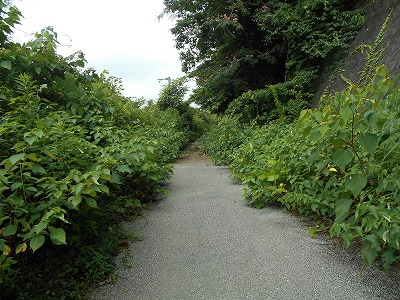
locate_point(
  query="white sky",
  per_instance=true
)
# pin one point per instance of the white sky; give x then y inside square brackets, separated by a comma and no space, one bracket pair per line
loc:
[121,36]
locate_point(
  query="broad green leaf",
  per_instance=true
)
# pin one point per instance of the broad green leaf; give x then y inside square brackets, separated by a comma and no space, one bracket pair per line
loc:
[91,202]
[38,168]
[16,158]
[318,116]
[9,230]
[75,200]
[57,236]
[382,71]
[138,203]
[388,258]
[331,181]
[371,116]
[38,228]
[6,64]
[115,178]
[106,177]
[32,156]
[58,194]
[106,171]
[346,112]
[30,139]
[16,185]
[104,188]
[306,131]
[272,176]
[70,83]
[39,133]
[369,255]
[369,141]
[338,143]
[124,168]
[36,242]
[316,135]
[342,157]
[324,129]
[314,153]
[342,208]
[355,183]
[2,245]
[79,188]
[303,114]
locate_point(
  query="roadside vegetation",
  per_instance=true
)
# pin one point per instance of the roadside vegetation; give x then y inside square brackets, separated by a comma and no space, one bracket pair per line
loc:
[76,159]
[337,163]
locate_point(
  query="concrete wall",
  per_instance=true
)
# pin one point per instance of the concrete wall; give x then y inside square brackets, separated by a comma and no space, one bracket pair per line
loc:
[353,64]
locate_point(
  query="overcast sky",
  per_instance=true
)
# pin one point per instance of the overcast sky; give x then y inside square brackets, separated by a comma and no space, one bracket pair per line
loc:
[121,36]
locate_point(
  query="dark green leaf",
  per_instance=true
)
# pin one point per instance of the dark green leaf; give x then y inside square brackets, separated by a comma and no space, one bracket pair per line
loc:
[124,169]
[2,245]
[16,185]
[16,158]
[91,202]
[388,258]
[36,242]
[79,188]
[342,157]
[115,178]
[38,168]
[38,228]
[30,139]
[9,230]
[75,200]
[58,194]
[355,183]
[57,236]
[369,141]
[6,64]
[342,208]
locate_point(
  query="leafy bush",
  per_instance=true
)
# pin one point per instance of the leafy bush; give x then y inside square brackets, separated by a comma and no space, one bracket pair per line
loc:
[221,140]
[339,164]
[236,50]
[76,157]
[282,101]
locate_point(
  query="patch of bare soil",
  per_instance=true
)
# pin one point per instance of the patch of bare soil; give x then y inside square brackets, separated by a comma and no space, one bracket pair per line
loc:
[194,152]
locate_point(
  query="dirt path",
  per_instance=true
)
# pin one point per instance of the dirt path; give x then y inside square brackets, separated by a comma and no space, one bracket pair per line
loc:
[203,242]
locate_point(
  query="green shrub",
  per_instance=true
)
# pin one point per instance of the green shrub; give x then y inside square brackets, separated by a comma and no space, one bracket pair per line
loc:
[338,164]
[76,158]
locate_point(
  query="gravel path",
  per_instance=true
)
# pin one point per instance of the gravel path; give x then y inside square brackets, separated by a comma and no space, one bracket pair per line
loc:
[203,242]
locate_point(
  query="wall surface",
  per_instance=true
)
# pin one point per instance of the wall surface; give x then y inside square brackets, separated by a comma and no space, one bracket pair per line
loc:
[353,64]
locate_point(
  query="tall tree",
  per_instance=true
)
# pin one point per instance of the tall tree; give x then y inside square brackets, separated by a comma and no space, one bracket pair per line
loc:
[9,17]
[235,46]
[222,47]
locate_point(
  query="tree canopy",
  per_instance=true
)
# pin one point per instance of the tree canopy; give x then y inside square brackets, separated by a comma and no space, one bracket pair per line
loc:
[233,47]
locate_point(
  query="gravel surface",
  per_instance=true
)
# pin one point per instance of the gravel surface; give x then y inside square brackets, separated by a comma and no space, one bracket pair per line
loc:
[203,242]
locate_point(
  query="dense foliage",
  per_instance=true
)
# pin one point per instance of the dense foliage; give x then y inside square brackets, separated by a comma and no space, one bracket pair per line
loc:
[255,58]
[338,164]
[76,157]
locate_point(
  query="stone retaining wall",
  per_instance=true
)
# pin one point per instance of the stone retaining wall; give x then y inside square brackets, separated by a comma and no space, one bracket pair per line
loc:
[353,64]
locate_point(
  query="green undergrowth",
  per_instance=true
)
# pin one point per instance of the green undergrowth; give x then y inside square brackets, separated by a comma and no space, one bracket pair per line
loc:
[337,164]
[76,159]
